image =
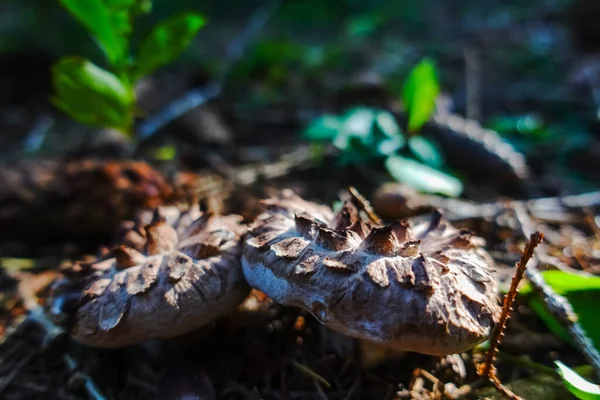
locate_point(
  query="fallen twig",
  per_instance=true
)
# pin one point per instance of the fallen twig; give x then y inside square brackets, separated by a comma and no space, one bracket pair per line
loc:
[458,209]
[364,204]
[488,370]
[310,373]
[249,174]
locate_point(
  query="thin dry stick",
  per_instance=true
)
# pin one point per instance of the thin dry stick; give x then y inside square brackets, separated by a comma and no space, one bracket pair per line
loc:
[457,209]
[310,373]
[364,204]
[488,370]
[488,367]
[558,306]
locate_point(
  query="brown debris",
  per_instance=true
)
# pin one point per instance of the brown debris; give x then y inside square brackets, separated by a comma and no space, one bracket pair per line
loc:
[410,288]
[76,198]
[186,274]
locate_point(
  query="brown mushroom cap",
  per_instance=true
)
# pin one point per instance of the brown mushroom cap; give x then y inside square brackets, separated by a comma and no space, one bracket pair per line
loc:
[426,288]
[170,276]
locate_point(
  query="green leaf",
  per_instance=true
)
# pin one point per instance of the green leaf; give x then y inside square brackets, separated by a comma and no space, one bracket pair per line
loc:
[92,95]
[386,134]
[581,292]
[167,41]
[578,386]
[356,129]
[96,16]
[370,132]
[323,128]
[426,151]
[422,177]
[564,283]
[165,153]
[419,94]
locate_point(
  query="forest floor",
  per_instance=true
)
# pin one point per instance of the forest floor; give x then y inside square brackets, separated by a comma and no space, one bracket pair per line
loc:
[527,76]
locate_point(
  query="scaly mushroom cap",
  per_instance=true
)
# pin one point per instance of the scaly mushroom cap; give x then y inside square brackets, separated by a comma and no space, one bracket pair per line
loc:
[426,288]
[170,276]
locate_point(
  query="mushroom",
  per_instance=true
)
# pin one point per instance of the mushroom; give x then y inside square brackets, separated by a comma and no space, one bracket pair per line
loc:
[168,277]
[423,286]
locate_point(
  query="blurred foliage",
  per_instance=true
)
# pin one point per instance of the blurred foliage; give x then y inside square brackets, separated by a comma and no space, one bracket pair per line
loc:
[362,134]
[98,97]
[167,40]
[92,95]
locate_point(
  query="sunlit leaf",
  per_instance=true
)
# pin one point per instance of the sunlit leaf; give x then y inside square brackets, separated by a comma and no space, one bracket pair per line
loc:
[165,153]
[564,283]
[426,151]
[422,177]
[167,41]
[90,94]
[419,94]
[98,18]
[582,293]
[323,128]
[578,386]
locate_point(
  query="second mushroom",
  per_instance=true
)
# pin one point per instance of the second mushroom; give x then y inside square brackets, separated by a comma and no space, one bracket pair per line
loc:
[424,287]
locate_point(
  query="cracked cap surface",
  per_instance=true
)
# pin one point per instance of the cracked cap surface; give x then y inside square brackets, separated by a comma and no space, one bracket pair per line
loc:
[424,287]
[174,272]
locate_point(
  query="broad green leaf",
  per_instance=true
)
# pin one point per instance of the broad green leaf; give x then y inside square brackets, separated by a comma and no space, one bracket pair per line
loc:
[564,283]
[582,293]
[323,128]
[578,386]
[422,177]
[167,41]
[419,94]
[91,95]
[100,21]
[426,151]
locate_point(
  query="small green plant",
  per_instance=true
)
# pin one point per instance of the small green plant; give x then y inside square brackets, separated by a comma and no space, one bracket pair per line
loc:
[105,97]
[363,134]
